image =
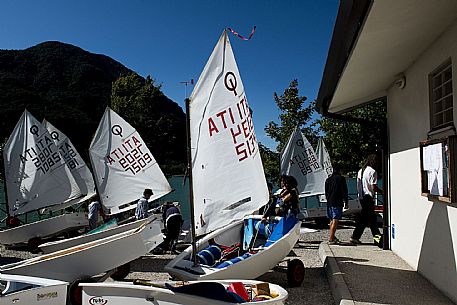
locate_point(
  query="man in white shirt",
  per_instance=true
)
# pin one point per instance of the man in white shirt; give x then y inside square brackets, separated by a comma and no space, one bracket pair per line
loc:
[367,180]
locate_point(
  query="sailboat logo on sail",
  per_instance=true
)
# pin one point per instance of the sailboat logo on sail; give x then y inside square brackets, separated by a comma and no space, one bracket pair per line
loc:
[117,130]
[34,130]
[230,79]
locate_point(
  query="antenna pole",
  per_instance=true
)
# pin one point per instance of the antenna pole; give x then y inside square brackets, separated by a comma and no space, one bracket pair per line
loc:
[191,187]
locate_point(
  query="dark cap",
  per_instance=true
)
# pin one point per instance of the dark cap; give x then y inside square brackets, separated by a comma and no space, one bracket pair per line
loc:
[147,192]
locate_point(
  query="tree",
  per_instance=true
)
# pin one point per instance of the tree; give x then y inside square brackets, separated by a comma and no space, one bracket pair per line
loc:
[350,143]
[160,121]
[293,112]
[270,163]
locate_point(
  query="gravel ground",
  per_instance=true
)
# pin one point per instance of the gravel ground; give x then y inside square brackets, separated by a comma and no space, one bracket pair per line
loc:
[314,289]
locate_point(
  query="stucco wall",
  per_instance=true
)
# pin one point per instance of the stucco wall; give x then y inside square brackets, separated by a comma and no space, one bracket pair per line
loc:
[425,231]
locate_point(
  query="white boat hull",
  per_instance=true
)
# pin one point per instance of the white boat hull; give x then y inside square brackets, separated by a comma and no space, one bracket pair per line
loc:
[250,268]
[43,228]
[127,293]
[29,290]
[92,258]
[54,246]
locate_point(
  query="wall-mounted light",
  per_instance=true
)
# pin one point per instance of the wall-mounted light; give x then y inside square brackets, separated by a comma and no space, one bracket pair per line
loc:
[400,81]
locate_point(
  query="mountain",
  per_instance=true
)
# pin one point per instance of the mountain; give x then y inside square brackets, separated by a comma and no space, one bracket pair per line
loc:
[71,87]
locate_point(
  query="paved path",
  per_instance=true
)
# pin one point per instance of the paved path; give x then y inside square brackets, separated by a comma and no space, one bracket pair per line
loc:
[365,274]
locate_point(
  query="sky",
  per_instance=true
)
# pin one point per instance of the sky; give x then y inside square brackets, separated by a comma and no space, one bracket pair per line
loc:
[171,40]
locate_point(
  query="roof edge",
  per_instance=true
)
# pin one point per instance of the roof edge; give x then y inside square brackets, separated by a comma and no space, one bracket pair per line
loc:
[350,19]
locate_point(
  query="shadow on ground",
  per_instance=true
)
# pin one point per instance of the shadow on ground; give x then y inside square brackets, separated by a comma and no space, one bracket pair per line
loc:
[313,290]
[389,286]
[154,263]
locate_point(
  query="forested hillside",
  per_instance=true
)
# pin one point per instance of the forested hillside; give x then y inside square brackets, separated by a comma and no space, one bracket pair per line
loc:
[71,87]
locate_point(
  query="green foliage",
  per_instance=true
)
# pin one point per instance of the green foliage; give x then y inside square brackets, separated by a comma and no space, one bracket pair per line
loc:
[271,163]
[293,112]
[160,122]
[350,143]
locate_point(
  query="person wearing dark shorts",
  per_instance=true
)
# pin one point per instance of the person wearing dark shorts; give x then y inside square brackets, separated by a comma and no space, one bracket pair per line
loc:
[336,191]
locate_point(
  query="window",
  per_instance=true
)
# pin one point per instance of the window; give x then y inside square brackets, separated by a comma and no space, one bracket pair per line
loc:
[441,103]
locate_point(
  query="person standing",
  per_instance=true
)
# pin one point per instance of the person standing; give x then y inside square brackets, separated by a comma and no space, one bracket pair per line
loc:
[367,179]
[142,205]
[336,191]
[95,208]
[172,218]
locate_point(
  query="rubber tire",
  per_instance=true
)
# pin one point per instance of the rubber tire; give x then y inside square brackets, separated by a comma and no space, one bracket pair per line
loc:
[121,272]
[33,244]
[295,273]
[74,292]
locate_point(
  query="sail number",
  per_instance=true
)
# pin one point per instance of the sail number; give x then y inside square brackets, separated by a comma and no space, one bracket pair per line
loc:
[306,162]
[130,156]
[68,153]
[238,120]
[42,155]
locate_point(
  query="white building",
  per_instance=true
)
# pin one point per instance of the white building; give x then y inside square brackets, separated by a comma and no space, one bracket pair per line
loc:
[405,51]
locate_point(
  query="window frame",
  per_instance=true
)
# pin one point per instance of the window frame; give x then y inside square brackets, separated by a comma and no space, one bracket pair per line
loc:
[440,70]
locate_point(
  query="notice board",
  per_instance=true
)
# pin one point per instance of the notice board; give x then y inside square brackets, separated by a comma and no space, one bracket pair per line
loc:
[438,169]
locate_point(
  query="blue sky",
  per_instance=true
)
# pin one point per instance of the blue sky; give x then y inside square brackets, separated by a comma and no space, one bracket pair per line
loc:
[172,40]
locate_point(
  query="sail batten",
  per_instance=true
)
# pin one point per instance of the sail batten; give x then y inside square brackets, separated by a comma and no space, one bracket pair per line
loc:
[228,177]
[123,165]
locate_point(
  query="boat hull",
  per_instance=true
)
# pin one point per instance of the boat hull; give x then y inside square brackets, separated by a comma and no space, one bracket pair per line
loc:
[252,267]
[31,290]
[43,228]
[54,246]
[91,258]
[126,293]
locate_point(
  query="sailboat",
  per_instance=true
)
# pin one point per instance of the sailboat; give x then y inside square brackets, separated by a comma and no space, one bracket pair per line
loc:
[83,261]
[123,167]
[37,176]
[18,289]
[227,180]
[80,172]
[228,292]
[298,159]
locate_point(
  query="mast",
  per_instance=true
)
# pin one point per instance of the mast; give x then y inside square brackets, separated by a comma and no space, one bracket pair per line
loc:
[191,188]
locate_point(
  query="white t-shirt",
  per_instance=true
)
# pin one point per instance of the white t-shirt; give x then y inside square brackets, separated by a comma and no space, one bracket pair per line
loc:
[365,183]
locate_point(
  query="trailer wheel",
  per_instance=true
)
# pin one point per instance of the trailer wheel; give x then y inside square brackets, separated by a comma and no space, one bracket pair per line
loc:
[121,272]
[75,293]
[33,244]
[295,273]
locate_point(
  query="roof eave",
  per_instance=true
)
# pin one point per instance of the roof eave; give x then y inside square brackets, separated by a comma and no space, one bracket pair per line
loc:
[350,19]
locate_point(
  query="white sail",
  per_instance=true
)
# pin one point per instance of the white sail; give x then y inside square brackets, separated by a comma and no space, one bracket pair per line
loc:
[85,187]
[36,175]
[228,176]
[323,157]
[298,159]
[123,165]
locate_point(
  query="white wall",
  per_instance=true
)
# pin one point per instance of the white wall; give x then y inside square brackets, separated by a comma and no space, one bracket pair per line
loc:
[425,231]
